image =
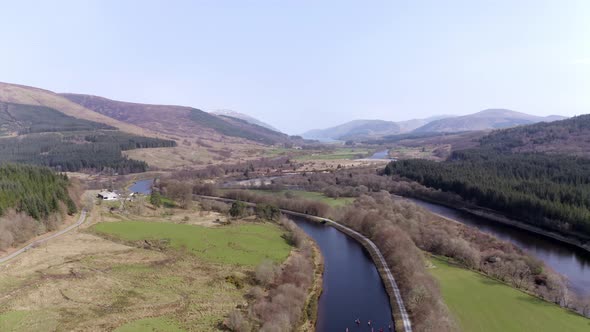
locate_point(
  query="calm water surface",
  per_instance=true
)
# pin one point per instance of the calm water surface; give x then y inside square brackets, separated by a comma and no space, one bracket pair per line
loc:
[570,261]
[380,155]
[352,286]
[142,187]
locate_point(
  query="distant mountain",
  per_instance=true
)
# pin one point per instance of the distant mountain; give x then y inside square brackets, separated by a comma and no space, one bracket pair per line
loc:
[409,125]
[354,130]
[245,117]
[484,120]
[570,136]
[368,129]
[180,121]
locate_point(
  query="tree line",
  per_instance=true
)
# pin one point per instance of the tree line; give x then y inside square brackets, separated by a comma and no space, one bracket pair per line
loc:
[33,200]
[548,191]
[75,151]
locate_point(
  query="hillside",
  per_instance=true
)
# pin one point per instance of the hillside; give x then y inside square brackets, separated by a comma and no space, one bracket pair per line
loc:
[369,129]
[410,125]
[41,128]
[32,201]
[186,122]
[245,117]
[26,95]
[18,119]
[570,136]
[531,173]
[354,130]
[484,120]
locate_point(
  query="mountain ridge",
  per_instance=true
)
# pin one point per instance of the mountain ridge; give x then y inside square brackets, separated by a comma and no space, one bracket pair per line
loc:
[494,118]
[177,120]
[245,117]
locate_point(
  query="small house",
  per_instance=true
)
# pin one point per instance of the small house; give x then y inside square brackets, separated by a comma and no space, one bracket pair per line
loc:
[108,195]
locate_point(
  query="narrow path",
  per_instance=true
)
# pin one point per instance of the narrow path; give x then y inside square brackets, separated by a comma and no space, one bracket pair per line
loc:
[405,318]
[81,220]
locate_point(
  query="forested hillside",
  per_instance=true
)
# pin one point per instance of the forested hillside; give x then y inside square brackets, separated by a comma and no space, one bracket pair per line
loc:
[32,200]
[44,136]
[80,150]
[570,136]
[24,119]
[34,190]
[549,191]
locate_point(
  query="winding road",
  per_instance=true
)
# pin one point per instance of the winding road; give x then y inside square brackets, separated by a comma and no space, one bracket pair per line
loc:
[405,318]
[35,243]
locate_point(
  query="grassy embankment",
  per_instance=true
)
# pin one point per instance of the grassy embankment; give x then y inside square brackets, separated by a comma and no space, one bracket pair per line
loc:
[481,304]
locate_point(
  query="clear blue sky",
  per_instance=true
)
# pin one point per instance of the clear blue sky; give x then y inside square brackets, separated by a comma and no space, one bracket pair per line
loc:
[307,64]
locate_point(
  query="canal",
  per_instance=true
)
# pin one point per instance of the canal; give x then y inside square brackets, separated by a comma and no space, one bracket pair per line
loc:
[352,286]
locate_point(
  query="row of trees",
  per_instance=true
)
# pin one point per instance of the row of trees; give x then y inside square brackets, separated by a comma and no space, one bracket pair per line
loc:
[374,215]
[549,191]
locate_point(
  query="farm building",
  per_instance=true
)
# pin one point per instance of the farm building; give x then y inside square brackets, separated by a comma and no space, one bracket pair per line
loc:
[108,195]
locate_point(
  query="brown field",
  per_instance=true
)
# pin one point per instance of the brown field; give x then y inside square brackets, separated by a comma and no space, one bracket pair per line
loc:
[84,282]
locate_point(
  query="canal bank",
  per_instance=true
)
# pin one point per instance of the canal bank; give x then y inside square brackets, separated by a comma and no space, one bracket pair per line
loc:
[564,257]
[357,280]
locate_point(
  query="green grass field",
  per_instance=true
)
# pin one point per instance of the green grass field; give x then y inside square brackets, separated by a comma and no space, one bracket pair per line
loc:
[340,153]
[158,324]
[245,244]
[480,304]
[311,195]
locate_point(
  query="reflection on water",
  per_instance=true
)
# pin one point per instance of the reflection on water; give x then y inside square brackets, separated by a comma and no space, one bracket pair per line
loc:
[572,262]
[352,286]
[142,187]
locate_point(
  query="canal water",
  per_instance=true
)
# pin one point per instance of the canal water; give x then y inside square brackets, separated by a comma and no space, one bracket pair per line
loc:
[352,285]
[142,187]
[568,260]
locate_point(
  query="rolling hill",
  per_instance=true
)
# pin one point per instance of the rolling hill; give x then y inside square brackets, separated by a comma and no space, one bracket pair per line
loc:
[180,121]
[410,125]
[368,129]
[354,130]
[26,95]
[245,117]
[570,136]
[41,128]
[484,120]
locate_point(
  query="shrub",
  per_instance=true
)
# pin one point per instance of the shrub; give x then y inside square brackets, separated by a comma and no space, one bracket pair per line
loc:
[237,209]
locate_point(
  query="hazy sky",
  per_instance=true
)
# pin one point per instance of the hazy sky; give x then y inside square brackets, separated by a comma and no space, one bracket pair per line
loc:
[307,64]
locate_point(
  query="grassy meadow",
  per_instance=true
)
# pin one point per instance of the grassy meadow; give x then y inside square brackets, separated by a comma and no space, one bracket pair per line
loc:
[129,276]
[311,195]
[339,153]
[480,304]
[245,244]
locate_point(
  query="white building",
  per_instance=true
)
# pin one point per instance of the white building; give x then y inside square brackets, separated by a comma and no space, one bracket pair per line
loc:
[108,195]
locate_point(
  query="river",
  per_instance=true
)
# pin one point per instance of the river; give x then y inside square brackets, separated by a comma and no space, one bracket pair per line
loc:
[352,287]
[570,261]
